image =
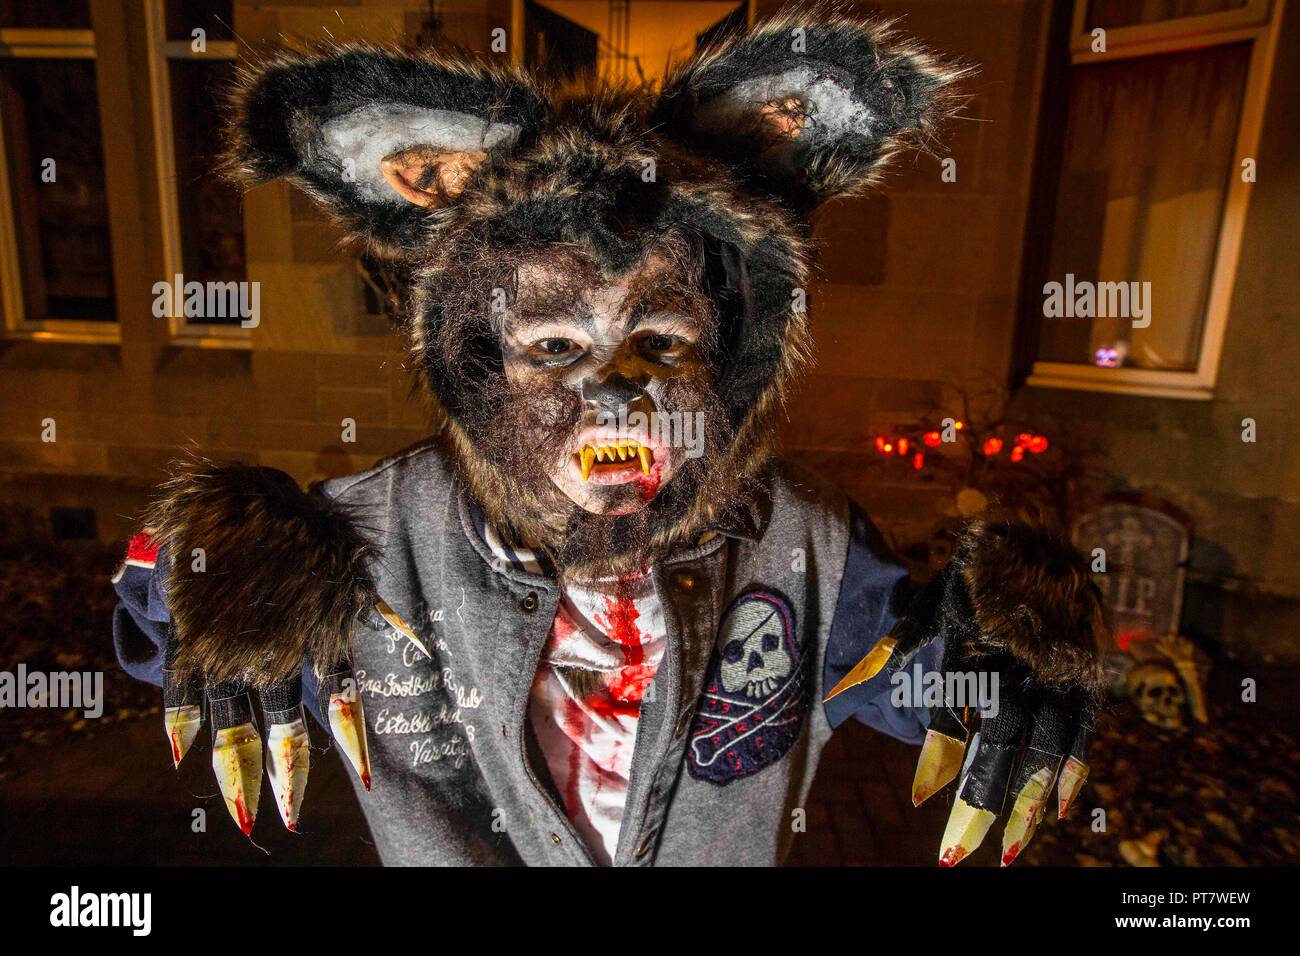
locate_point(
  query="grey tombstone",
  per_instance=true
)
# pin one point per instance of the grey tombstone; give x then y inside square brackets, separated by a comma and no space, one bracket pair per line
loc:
[1146,563]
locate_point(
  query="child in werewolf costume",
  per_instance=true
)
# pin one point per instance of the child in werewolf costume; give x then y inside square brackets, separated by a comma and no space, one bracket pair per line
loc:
[565,632]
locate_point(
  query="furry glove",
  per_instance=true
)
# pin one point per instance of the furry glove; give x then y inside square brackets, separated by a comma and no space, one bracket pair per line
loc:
[1023,630]
[262,580]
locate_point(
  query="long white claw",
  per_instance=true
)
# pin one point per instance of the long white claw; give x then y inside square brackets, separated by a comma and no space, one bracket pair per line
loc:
[348,724]
[1073,775]
[288,760]
[237,763]
[396,623]
[182,724]
[966,828]
[1026,813]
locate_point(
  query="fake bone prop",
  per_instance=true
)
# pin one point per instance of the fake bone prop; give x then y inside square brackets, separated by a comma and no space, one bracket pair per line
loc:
[1159,695]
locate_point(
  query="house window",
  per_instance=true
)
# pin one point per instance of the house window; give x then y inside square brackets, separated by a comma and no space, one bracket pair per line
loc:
[191,65]
[1165,102]
[56,263]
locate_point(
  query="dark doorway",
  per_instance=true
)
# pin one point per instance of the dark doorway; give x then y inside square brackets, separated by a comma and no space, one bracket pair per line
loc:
[555,46]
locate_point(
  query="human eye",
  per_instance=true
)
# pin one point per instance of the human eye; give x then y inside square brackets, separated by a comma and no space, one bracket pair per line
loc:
[554,351]
[663,347]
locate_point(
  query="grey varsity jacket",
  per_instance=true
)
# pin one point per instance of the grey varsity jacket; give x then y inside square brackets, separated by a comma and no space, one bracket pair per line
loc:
[716,777]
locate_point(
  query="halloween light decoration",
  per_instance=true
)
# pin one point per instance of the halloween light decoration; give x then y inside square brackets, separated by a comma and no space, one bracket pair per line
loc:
[990,443]
[1110,356]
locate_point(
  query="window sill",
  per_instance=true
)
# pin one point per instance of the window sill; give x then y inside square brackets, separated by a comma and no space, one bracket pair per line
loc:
[59,43]
[77,336]
[1149,383]
[199,336]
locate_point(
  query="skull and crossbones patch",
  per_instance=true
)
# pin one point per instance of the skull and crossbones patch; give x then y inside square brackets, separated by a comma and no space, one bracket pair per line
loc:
[752,707]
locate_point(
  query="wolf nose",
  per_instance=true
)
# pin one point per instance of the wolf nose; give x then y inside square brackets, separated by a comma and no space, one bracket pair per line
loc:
[611,392]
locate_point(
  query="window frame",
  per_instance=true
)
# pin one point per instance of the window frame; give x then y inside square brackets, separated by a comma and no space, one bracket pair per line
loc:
[1254,13]
[47,44]
[1256,23]
[161,53]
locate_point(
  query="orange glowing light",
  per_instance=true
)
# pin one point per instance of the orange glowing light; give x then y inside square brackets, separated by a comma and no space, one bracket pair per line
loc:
[1017,453]
[918,460]
[931,439]
[902,446]
[992,446]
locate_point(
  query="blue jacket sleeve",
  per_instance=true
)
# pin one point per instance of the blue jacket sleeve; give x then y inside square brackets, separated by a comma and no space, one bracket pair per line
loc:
[142,623]
[141,620]
[874,592]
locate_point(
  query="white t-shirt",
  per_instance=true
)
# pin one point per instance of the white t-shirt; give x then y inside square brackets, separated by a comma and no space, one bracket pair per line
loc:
[603,651]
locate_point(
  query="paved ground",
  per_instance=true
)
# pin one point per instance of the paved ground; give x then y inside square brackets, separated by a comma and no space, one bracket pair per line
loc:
[114,799]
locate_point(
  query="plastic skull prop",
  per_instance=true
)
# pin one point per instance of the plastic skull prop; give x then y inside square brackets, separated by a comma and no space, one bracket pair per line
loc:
[754,658]
[1159,694]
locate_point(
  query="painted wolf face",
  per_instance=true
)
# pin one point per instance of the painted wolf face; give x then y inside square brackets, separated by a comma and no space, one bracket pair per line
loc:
[607,285]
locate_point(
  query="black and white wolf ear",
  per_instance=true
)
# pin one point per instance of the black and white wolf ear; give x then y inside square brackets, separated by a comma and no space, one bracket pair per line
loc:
[383,138]
[808,106]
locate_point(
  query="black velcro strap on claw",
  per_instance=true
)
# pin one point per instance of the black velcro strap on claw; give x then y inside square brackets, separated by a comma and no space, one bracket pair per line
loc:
[282,702]
[988,776]
[1049,737]
[180,693]
[177,692]
[989,771]
[1006,726]
[946,721]
[229,704]
[1053,728]
[1082,742]
[283,696]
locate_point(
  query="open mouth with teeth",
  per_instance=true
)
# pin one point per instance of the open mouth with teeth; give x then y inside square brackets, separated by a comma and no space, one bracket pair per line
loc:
[614,461]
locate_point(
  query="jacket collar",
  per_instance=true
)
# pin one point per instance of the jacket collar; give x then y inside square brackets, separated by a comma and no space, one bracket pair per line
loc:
[745,521]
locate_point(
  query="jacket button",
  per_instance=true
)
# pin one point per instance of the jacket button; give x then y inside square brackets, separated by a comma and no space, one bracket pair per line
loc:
[555,838]
[683,581]
[646,844]
[529,603]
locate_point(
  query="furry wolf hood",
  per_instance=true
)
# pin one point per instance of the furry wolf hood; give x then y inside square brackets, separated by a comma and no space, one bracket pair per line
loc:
[466,171]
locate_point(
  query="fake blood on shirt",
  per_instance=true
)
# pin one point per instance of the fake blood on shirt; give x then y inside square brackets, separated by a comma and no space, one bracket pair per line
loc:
[602,653]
